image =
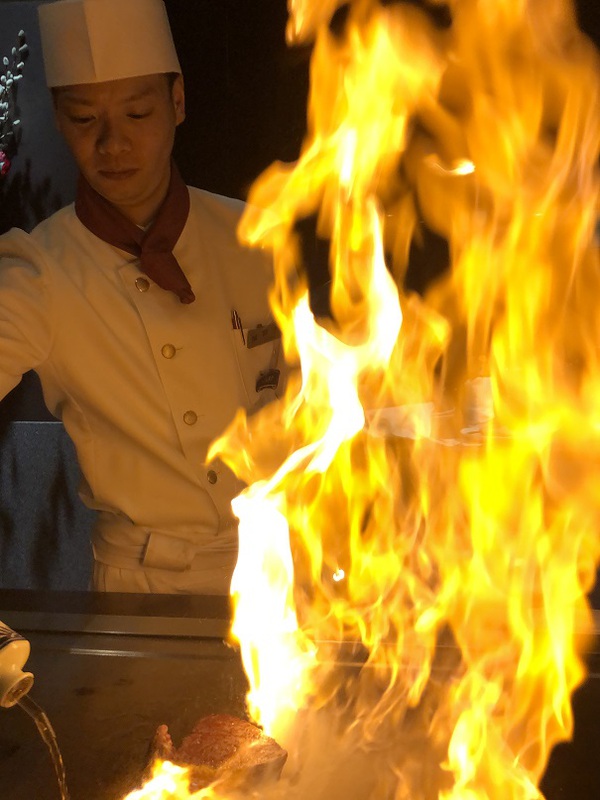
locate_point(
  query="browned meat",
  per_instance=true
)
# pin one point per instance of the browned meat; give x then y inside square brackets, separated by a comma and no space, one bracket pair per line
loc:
[223,749]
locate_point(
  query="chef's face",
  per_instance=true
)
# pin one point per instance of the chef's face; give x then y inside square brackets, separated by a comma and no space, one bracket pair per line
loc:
[121,135]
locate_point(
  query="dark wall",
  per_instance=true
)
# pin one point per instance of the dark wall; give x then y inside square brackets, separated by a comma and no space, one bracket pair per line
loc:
[588,14]
[246,91]
[41,176]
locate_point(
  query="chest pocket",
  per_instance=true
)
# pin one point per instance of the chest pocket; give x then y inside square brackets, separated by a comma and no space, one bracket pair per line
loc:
[259,365]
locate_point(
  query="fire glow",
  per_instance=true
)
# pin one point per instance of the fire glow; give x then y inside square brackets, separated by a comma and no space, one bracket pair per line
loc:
[425,499]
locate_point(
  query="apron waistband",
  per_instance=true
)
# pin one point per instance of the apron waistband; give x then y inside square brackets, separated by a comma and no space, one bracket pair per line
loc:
[120,543]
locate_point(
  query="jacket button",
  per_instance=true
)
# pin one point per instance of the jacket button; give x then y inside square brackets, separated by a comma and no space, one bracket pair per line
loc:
[168,350]
[190,417]
[211,476]
[142,284]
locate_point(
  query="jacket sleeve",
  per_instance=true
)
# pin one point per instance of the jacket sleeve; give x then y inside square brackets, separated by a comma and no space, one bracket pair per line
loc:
[26,308]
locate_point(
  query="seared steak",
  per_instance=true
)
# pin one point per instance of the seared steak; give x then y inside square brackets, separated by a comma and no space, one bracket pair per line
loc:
[222,748]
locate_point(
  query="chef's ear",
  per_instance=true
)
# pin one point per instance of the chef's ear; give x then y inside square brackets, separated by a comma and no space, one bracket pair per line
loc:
[178,97]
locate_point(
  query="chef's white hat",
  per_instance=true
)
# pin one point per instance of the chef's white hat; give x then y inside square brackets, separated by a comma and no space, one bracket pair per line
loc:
[90,41]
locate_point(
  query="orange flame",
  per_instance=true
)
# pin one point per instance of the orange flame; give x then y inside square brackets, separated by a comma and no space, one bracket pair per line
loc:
[425,498]
[168,781]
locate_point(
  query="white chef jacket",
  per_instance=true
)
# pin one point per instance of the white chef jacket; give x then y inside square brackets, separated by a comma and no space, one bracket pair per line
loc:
[142,382]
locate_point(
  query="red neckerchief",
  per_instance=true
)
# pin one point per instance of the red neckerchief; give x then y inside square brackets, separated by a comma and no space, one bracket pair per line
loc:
[153,246]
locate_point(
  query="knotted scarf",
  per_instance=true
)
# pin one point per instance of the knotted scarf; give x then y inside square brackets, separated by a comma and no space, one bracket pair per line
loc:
[152,246]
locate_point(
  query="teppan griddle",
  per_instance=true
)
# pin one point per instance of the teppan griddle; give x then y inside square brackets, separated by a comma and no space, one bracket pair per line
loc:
[110,668]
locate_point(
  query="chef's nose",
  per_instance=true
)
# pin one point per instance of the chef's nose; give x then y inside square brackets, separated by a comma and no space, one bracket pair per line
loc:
[112,139]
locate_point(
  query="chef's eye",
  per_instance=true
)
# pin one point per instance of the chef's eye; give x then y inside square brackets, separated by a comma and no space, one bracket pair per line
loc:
[80,119]
[139,116]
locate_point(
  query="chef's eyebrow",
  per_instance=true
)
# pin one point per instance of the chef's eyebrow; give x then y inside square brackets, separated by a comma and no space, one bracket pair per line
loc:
[73,97]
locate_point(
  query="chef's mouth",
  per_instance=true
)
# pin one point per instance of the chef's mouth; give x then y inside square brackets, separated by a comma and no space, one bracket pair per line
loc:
[117,175]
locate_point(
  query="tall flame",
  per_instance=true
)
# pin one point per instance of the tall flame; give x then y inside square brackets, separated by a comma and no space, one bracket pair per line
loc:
[425,497]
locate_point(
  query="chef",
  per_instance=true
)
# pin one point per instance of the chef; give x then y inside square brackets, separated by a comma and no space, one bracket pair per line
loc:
[137,307]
